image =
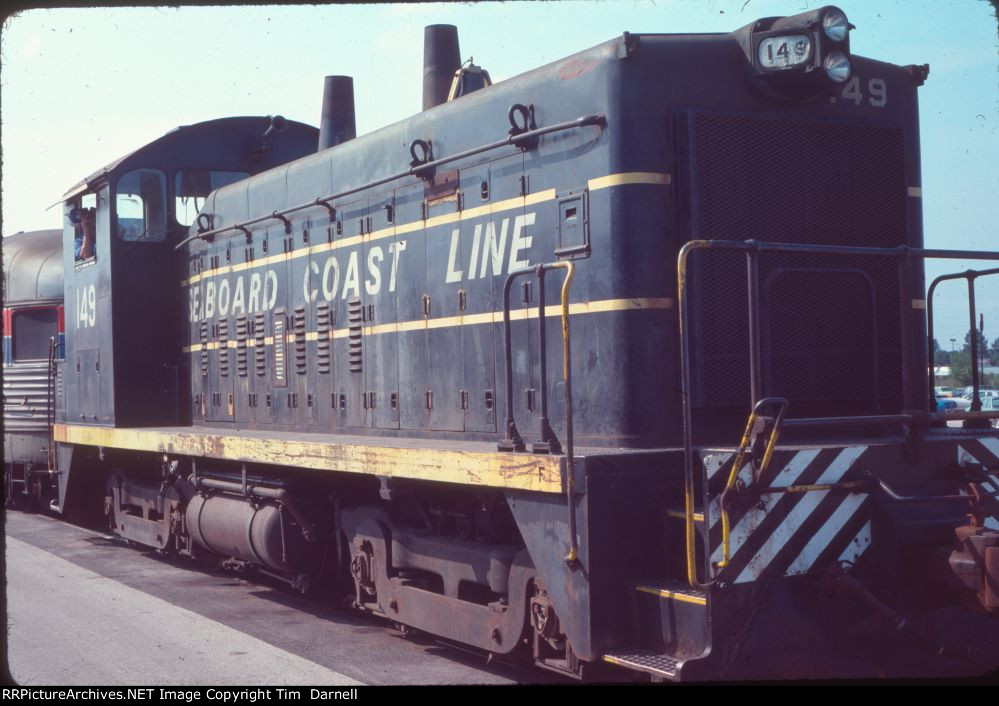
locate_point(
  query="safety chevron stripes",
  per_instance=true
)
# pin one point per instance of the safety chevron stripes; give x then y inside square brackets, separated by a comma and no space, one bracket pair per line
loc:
[985,452]
[982,450]
[791,533]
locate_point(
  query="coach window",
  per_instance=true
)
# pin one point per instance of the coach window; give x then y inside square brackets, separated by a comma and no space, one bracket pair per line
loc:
[32,331]
[140,206]
[192,186]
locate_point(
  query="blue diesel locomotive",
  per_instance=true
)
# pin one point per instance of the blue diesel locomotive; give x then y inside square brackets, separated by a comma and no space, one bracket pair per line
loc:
[616,365]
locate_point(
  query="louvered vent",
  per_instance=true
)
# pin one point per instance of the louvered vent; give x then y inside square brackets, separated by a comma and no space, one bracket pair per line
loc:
[224,348]
[242,333]
[259,349]
[298,326]
[355,318]
[203,337]
[323,325]
[279,359]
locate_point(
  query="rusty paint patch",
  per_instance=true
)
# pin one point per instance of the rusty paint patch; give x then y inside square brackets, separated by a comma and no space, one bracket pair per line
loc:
[575,68]
[442,187]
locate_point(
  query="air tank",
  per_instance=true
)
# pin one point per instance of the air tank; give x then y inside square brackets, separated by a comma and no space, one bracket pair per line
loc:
[263,534]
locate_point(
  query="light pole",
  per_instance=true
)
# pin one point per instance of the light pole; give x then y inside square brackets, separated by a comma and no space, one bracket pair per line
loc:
[984,344]
[952,342]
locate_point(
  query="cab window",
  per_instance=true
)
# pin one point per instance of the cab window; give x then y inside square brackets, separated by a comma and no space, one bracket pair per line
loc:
[140,206]
[192,187]
[82,215]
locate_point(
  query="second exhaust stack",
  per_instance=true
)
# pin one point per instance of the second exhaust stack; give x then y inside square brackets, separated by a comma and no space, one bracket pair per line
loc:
[336,123]
[441,59]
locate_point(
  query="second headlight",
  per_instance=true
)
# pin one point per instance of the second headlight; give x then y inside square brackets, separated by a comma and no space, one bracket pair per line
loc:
[837,66]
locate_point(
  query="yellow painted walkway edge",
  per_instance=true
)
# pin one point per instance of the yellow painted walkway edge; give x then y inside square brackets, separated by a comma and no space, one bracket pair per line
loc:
[402,460]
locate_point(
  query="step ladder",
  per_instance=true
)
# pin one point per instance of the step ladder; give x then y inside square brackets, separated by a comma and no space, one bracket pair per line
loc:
[676,616]
[662,667]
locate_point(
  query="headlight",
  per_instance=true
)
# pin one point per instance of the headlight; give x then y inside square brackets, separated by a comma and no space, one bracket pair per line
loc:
[835,24]
[837,67]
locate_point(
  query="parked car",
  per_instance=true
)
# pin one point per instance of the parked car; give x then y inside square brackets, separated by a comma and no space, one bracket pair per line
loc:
[946,404]
[984,393]
[991,404]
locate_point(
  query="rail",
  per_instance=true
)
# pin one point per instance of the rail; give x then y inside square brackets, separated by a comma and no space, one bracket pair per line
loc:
[747,437]
[753,248]
[50,406]
[548,443]
[519,137]
[899,498]
[971,276]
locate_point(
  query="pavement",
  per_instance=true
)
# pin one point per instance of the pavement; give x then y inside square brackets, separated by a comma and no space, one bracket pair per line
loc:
[84,609]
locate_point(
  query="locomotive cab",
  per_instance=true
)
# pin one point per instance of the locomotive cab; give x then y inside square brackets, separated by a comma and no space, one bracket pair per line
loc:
[120,226]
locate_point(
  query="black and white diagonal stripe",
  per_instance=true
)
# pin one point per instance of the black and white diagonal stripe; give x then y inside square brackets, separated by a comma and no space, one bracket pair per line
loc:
[791,533]
[983,451]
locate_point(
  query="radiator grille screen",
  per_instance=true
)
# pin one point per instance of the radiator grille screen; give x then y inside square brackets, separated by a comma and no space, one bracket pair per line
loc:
[830,324]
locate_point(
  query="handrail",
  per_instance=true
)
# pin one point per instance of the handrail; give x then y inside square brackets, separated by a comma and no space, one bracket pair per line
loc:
[50,407]
[971,276]
[753,248]
[688,443]
[734,473]
[414,170]
[897,497]
[549,443]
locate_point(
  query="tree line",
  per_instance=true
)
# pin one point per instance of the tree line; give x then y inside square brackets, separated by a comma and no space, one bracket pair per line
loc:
[959,361]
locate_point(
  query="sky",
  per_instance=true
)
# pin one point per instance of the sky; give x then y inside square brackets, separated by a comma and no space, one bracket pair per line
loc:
[80,87]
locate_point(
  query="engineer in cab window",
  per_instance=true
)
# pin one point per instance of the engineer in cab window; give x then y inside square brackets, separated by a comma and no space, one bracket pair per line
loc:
[85,220]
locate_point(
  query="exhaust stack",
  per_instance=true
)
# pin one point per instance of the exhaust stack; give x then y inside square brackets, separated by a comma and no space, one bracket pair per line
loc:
[337,124]
[441,59]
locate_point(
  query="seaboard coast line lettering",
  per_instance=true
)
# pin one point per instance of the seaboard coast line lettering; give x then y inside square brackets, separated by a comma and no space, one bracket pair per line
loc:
[496,248]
